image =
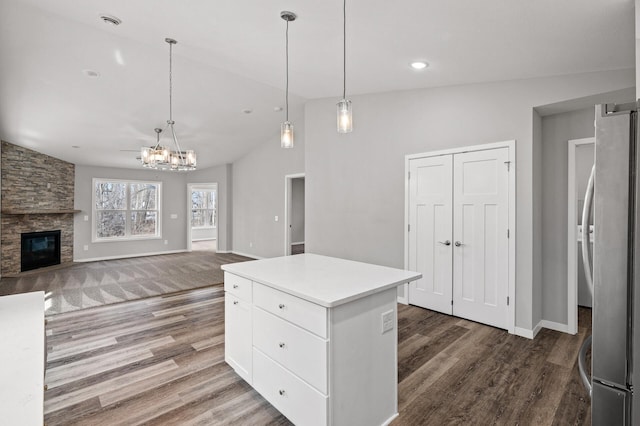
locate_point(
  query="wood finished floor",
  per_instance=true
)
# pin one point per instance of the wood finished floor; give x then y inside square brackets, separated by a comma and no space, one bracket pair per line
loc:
[161,361]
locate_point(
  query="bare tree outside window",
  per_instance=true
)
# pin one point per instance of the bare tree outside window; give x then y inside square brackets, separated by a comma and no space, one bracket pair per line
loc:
[203,208]
[126,209]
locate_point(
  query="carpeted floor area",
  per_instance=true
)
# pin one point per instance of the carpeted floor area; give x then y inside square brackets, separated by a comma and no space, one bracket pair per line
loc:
[86,285]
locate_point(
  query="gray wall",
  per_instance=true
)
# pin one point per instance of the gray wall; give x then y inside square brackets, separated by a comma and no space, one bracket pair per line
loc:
[557,129]
[221,176]
[358,176]
[174,201]
[297,210]
[258,194]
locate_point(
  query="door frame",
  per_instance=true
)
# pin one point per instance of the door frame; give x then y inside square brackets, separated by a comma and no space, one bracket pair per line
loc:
[287,209]
[403,291]
[572,235]
[206,186]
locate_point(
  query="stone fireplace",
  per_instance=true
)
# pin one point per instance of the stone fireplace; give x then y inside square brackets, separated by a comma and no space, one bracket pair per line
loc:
[37,196]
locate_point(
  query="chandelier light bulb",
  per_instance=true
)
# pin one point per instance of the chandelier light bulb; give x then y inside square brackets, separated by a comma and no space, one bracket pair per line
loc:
[345,117]
[286,135]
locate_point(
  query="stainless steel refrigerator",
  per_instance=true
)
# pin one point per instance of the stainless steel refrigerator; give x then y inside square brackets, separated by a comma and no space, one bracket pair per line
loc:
[614,267]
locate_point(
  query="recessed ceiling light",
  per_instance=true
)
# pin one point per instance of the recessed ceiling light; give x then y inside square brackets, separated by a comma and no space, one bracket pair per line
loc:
[91,73]
[419,65]
[110,19]
[277,109]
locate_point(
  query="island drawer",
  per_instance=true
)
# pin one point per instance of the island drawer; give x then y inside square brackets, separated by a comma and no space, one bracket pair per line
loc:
[300,312]
[237,286]
[301,352]
[294,398]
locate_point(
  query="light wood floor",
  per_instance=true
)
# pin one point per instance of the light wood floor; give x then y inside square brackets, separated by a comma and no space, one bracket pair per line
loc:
[161,361]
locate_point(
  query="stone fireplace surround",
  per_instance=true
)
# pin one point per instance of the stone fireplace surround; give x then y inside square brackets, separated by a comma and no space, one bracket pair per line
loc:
[37,194]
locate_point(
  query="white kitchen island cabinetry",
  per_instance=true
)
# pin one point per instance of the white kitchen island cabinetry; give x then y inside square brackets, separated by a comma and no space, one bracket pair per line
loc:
[322,342]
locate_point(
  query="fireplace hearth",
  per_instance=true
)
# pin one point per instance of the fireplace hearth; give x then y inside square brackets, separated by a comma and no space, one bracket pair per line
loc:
[39,249]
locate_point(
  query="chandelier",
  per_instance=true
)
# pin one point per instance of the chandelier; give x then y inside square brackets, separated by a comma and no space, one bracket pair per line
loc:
[162,157]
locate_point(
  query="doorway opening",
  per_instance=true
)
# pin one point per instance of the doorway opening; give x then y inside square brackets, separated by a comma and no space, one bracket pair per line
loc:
[202,221]
[294,223]
[581,159]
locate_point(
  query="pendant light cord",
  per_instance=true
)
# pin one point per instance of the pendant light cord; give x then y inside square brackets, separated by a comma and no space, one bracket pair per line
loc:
[287,73]
[170,83]
[344,49]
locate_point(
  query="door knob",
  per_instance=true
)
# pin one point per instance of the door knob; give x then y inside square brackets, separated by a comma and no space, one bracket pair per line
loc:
[458,244]
[446,243]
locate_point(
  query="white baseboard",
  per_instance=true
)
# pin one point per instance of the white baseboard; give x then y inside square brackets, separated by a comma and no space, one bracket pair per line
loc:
[525,332]
[224,251]
[239,253]
[203,239]
[127,256]
[299,242]
[552,325]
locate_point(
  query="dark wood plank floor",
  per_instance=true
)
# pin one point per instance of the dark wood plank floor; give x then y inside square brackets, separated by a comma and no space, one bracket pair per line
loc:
[161,361]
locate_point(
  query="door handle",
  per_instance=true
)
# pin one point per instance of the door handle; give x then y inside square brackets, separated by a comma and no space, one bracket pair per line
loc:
[446,243]
[458,244]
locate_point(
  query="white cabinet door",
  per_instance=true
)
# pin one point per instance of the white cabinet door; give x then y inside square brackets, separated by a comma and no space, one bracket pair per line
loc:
[430,236]
[237,335]
[480,251]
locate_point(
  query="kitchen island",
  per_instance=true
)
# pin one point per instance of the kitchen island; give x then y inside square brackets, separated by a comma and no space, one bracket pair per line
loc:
[316,336]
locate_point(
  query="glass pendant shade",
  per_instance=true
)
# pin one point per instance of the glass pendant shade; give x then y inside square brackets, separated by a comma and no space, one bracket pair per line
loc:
[286,135]
[345,117]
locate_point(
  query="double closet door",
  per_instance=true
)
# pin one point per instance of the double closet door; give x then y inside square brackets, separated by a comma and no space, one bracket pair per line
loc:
[458,234]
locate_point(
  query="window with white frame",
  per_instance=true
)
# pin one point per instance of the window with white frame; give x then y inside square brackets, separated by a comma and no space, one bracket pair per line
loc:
[203,208]
[126,209]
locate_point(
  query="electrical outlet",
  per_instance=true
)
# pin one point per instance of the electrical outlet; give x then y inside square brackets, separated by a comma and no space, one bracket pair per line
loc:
[276,218]
[166,242]
[250,245]
[86,247]
[174,216]
[86,218]
[387,321]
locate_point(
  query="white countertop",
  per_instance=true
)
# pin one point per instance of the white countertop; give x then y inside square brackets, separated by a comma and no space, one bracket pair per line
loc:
[326,281]
[22,359]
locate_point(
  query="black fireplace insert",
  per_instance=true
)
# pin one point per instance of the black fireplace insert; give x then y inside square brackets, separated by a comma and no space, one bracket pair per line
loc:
[40,249]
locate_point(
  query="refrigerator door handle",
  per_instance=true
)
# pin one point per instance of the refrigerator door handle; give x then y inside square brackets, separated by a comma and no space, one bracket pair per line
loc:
[582,365]
[586,235]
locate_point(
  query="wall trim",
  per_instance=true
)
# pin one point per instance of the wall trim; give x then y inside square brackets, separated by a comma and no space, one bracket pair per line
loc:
[299,242]
[127,256]
[557,326]
[204,239]
[239,253]
[525,332]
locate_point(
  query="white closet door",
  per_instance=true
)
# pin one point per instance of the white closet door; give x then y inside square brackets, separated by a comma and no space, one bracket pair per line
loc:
[430,247]
[480,251]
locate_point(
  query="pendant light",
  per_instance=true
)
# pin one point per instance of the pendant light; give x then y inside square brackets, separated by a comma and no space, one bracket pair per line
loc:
[345,113]
[286,129]
[161,157]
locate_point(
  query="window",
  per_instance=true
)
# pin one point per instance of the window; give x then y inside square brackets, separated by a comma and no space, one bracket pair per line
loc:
[126,210]
[203,208]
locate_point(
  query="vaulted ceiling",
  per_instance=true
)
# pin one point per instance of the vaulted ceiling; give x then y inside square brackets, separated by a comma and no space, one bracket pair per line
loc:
[230,58]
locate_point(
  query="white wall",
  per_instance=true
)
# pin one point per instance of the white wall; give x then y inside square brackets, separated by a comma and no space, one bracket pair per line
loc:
[297,210]
[258,194]
[222,176]
[536,307]
[557,130]
[174,196]
[355,182]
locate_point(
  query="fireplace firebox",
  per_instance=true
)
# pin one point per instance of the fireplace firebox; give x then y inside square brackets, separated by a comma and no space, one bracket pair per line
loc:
[40,249]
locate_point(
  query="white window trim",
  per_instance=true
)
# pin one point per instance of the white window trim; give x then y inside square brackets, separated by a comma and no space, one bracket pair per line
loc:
[94,212]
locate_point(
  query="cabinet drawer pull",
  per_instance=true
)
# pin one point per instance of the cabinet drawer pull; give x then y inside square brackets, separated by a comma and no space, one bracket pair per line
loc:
[281,392]
[281,306]
[235,286]
[281,344]
[235,302]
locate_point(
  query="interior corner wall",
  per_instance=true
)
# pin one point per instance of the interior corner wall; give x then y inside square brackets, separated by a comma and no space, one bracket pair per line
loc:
[355,182]
[536,308]
[174,201]
[258,194]
[221,176]
[557,130]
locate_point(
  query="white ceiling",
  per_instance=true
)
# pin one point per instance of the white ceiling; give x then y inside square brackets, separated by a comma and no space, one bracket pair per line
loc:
[230,56]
